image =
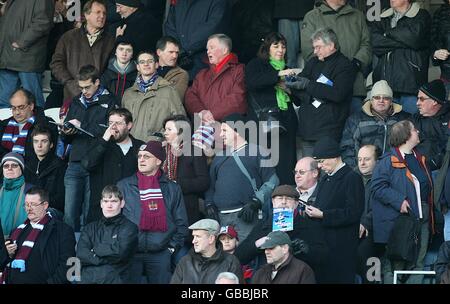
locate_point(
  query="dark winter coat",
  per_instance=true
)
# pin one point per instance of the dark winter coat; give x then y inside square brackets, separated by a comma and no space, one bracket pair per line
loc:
[57,245]
[3,251]
[221,93]
[116,82]
[175,211]
[364,128]
[402,52]
[73,51]
[105,250]
[341,199]
[261,79]
[195,269]
[142,31]
[329,118]
[443,262]
[107,165]
[434,133]
[440,36]
[292,271]
[40,119]
[392,183]
[91,119]
[28,23]
[191,22]
[288,9]
[48,174]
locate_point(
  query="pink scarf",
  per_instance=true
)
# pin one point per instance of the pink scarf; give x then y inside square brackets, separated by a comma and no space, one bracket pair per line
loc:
[153,209]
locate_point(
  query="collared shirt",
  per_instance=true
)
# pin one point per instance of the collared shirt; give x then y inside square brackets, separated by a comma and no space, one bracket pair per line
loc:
[337,169]
[305,195]
[93,37]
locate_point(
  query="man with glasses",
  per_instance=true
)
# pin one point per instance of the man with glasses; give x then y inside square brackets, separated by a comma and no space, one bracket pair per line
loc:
[156,205]
[111,157]
[151,99]
[306,174]
[15,132]
[372,124]
[39,248]
[88,111]
[432,121]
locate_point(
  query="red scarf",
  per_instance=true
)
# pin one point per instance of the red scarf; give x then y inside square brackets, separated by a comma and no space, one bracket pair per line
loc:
[170,165]
[153,209]
[13,139]
[224,61]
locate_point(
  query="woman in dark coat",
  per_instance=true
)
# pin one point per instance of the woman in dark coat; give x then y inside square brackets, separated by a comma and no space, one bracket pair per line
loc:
[185,164]
[401,183]
[265,80]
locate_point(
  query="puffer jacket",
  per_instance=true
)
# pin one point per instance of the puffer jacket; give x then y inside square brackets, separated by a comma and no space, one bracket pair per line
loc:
[434,132]
[195,269]
[363,128]
[440,37]
[403,51]
[149,109]
[105,250]
[175,211]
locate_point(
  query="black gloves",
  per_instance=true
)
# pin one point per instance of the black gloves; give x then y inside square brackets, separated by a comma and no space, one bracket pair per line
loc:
[250,210]
[356,65]
[299,247]
[299,84]
[212,212]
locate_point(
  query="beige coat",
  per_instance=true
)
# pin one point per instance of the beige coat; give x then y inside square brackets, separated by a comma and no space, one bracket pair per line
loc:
[151,108]
[179,79]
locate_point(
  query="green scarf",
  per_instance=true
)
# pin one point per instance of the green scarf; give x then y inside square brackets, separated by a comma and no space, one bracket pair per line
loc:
[282,97]
[9,194]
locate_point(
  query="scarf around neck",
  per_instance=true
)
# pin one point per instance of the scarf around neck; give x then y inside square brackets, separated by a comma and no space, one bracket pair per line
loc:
[9,202]
[13,139]
[282,97]
[153,209]
[87,102]
[170,165]
[143,85]
[218,67]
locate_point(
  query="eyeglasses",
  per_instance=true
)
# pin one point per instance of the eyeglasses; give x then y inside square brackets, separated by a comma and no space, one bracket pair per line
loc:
[422,99]
[378,98]
[300,172]
[148,61]
[31,205]
[19,108]
[12,166]
[144,156]
[117,123]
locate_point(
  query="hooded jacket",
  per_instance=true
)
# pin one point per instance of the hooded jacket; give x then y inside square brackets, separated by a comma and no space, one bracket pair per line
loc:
[117,82]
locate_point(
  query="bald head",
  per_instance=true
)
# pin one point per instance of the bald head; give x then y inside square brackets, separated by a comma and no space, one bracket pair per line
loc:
[306,173]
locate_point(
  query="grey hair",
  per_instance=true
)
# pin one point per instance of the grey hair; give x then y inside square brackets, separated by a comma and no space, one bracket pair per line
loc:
[227,275]
[223,39]
[327,35]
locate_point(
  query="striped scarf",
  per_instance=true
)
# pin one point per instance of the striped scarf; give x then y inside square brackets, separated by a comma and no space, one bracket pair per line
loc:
[143,85]
[13,139]
[153,210]
[24,250]
[88,102]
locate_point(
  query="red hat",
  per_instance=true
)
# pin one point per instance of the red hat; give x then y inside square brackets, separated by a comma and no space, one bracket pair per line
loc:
[154,147]
[230,231]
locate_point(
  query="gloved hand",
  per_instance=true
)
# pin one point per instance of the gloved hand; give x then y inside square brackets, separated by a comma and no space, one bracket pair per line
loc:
[299,247]
[250,210]
[300,84]
[356,65]
[212,212]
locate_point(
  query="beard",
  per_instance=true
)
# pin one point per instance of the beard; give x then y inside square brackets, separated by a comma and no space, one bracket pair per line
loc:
[120,137]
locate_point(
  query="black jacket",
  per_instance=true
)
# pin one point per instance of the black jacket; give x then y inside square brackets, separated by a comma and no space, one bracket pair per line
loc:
[403,51]
[40,119]
[105,250]
[288,9]
[433,135]
[329,118]
[177,225]
[91,119]
[49,175]
[443,261]
[440,36]
[341,199]
[57,245]
[116,82]
[306,229]
[3,251]
[195,269]
[142,31]
[107,165]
